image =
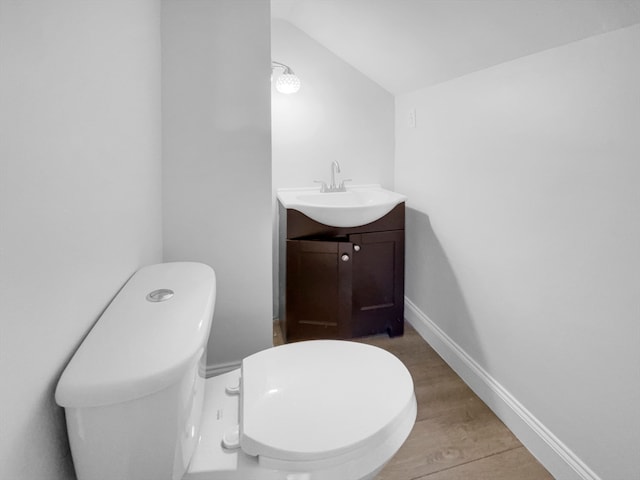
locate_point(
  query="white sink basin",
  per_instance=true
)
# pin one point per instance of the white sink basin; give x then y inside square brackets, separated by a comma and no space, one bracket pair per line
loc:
[357,206]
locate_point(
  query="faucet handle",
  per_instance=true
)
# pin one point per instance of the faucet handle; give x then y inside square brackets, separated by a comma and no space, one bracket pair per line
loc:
[323,186]
[342,188]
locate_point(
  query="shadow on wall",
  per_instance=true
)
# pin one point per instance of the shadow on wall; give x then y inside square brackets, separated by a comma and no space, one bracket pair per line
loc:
[432,286]
[431,282]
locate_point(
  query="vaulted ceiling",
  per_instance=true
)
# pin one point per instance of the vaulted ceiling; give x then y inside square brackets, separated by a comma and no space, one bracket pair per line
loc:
[404,45]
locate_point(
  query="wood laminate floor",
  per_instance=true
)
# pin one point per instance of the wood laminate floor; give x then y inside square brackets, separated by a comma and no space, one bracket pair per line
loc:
[456,436]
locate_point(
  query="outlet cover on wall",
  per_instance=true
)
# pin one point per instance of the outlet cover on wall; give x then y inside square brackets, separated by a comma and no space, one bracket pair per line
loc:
[412,118]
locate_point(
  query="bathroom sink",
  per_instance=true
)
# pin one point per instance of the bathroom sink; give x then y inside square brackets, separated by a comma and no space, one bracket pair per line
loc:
[357,206]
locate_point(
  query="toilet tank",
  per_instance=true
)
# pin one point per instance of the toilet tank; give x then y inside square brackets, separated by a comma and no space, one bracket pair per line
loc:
[133,391]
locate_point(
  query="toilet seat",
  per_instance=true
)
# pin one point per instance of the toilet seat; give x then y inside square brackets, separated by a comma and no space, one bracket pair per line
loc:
[319,401]
[268,448]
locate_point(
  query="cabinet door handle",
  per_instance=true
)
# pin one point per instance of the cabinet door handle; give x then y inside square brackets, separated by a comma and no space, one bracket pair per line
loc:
[356,248]
[345,257]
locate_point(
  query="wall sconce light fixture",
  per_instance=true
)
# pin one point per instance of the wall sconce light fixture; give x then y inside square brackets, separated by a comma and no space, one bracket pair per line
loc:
[287,82]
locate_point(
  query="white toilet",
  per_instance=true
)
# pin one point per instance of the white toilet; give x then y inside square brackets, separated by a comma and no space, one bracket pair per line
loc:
[139,408]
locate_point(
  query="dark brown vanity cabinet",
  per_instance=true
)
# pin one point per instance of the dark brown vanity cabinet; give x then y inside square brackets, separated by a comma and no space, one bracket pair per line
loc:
[341,282]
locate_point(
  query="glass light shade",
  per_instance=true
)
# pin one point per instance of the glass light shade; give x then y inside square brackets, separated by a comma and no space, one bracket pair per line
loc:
[288,83]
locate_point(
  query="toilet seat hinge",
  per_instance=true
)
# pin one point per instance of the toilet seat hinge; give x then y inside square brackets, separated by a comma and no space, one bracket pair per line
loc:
[233,389]
[231,438]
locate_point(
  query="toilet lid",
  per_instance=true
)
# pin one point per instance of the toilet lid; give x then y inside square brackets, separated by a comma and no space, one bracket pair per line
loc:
[318,399]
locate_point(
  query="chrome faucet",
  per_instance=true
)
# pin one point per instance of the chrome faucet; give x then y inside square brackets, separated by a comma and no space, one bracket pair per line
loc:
[333,187]
[335,168]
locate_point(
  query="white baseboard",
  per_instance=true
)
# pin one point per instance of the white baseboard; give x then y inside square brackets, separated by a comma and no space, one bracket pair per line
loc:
[219,369]
[556,457]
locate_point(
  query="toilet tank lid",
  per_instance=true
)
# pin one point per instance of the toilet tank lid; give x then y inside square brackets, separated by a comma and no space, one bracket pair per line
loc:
[140,345]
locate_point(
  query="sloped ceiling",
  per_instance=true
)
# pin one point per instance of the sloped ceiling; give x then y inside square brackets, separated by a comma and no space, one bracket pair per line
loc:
[404,45]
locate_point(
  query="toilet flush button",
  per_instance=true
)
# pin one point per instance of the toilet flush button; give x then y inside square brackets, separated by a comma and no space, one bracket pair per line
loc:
[160,295]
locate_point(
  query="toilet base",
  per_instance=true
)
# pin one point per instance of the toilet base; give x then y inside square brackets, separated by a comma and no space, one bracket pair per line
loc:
[211,461]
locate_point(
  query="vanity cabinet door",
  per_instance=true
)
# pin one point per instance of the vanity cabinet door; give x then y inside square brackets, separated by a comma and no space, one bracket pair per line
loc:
[318,289]
[378,283]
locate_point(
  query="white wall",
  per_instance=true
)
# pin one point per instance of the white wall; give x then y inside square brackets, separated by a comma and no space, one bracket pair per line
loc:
[217,160]
[523,234]
[338,114]
[79,198]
